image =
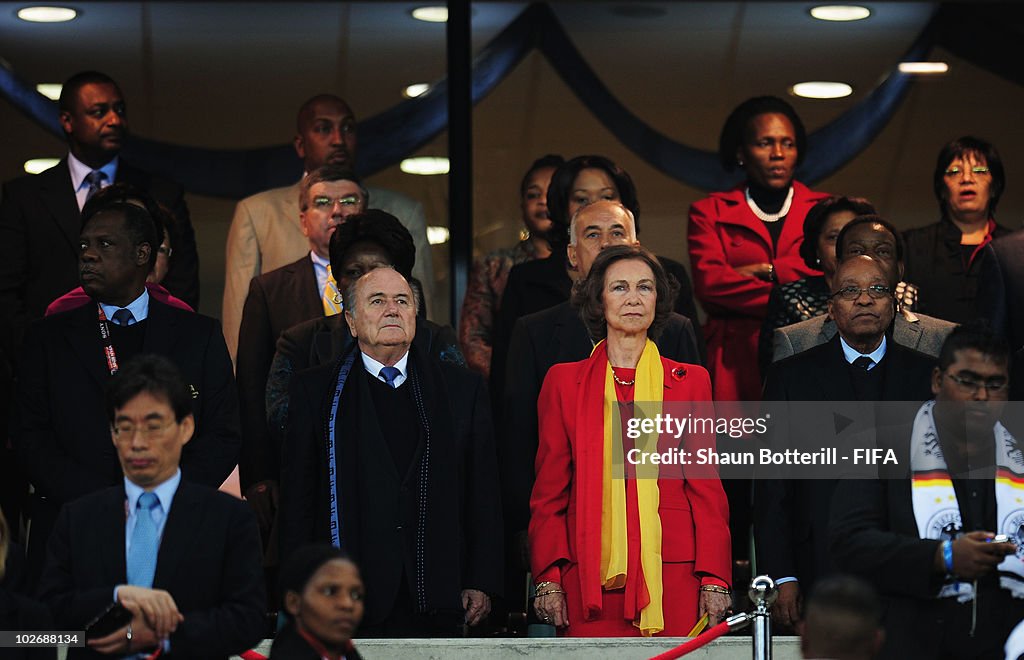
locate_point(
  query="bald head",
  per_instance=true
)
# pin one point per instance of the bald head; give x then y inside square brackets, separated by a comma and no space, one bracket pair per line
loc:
[595,227]
[326,133]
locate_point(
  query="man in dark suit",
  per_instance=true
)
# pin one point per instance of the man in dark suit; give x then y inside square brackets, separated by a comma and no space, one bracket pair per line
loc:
[860,364]
[923,532]
[61,435]
[183,559]
[299,291]
[546,338]
[1000,299]
[40,213]
[389,455]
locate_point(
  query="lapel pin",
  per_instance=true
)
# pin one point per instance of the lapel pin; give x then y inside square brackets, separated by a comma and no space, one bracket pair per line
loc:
[193,391]
[679,373]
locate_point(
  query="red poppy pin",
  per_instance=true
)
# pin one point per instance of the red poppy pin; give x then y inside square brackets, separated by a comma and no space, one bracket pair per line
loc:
[679,373]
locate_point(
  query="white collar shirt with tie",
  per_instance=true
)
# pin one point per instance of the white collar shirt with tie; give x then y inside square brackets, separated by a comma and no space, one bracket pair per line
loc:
[138,307]
[373,368]
[80,170]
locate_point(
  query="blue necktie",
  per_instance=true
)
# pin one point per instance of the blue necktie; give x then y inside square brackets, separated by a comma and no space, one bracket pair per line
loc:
[145,543]
[95,181]
[123,317]
[389,374]
[864,362]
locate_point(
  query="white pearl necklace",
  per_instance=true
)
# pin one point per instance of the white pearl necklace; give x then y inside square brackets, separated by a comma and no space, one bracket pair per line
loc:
[769,217]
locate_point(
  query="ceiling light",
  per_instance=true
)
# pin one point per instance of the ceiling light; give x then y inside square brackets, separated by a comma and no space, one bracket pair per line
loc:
[433,14]
[416,89]
[50,90]
[47,14]
[923,67]
[37,165]
[820,89]
[437,235]
[425,165]
[840,12]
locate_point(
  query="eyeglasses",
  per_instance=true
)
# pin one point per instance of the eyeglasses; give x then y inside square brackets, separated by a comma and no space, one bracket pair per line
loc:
[971,386]
[164,250]
[977,169]
[149,430]
[875,291]
[324,203]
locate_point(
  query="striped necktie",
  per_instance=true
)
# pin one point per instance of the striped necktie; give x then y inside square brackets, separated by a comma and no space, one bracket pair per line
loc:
[332,297]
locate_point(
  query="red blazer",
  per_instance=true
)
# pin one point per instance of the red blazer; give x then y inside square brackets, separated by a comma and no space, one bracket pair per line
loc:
[694,512]
[724,234]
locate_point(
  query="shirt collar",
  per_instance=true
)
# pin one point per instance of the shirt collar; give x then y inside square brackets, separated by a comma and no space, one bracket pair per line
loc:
[80,170]
[164,492]
[318,260]
[852,354]
[138,307]
[374,367]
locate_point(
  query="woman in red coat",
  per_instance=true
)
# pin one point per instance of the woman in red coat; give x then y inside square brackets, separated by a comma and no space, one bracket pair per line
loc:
[744,241]
[618,546]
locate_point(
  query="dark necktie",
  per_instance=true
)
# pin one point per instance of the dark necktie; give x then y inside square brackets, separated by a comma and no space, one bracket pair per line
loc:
[95,180]
[141,560]
[389,374]
[123,317]
[863,362]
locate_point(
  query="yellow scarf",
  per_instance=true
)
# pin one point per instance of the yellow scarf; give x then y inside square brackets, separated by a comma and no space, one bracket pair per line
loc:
[650,377]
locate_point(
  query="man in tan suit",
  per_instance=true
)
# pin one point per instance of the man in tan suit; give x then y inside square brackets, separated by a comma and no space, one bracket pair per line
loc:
[265,233]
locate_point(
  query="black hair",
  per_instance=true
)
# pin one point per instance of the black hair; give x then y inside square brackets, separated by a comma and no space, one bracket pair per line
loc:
[302,565]
[736,125]
[976,334]
[69,90]
[843,619]
[864,220]
[381,228]
[153,374]
[819,215]
[959,148]
[142,215]
[550,160]
[561,188]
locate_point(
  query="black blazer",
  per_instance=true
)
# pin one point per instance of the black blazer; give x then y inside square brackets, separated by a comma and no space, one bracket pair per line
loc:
[534,286]
[39,229]
[873,534]
[209,561]
[791,516]
[277,301]
[1000,299]
[62,435]
[462,546]
[540,341]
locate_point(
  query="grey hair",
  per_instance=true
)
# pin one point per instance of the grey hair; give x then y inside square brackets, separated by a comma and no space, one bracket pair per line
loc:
[572,221]
[350,291]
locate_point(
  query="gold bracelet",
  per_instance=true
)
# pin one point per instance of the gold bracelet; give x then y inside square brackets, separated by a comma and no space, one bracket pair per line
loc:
[715,589]
[541,585]
[549,592]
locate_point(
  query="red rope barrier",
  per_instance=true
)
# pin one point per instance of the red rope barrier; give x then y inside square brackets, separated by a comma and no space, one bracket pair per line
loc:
[703,639]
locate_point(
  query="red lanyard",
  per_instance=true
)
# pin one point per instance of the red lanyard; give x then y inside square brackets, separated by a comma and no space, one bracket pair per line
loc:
[108,342]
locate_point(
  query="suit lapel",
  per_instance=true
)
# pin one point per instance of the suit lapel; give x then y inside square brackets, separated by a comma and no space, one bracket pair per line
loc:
[307,290]
[179,530]
[793,232]
[569,339]
[833,375]
[59,197]
[737,213]
[82,332]
[110,532]
[906,333]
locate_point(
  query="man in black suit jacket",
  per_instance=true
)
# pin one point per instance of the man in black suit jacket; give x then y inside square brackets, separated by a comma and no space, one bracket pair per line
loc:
[946,591]
[40,213]
[389,455]
[285,297]
[1000,299]
[791,516]
[61,434]
[199,593]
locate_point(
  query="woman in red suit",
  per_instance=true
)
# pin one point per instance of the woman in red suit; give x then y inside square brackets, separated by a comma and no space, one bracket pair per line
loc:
[621,547]
[745,240]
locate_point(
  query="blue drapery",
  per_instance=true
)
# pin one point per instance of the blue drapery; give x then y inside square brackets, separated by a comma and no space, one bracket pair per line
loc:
[396,133]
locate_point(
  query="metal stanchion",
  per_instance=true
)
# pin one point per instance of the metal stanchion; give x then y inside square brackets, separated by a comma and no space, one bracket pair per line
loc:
[763,595]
